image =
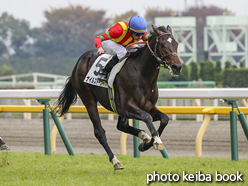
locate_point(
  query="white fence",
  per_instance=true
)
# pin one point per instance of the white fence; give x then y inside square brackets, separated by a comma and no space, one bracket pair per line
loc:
[169,93]
[174,93]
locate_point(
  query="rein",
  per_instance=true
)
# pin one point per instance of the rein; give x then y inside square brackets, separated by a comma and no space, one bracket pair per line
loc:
[136,43]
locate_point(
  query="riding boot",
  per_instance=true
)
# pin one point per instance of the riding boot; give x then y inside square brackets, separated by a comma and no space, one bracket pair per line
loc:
[108,68]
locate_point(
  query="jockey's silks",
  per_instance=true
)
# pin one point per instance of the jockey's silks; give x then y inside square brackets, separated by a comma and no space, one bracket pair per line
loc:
[118,33]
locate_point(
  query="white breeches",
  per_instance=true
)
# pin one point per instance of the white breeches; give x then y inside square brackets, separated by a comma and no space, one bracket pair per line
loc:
[113,48]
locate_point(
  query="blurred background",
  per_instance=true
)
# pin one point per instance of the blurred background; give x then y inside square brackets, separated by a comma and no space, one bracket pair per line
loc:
[49,37]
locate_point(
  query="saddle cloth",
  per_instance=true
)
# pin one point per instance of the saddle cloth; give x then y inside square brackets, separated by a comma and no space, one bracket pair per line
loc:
[95,71]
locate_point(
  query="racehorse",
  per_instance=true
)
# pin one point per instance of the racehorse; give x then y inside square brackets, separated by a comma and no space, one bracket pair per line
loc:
[135,86]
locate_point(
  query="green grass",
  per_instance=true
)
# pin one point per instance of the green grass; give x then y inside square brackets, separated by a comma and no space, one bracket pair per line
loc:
[62,169]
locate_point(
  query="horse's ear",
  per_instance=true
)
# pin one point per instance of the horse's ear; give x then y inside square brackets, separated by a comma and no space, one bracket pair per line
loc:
[169,29]
[156,31]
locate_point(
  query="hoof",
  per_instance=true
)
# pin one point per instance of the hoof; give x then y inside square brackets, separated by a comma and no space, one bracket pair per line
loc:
[158,146]
[118,166]
[3,145]
[141,146]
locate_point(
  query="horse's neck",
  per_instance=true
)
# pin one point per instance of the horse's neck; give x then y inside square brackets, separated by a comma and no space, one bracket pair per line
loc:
[148,64]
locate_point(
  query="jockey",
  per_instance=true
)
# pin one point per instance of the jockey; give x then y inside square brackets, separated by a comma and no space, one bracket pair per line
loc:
[117,37]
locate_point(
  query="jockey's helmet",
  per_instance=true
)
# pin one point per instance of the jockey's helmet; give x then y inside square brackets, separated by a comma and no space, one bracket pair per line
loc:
[137,24]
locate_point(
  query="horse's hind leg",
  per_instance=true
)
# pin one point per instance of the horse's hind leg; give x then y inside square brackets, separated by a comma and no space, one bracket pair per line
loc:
[91,106]
[100,135]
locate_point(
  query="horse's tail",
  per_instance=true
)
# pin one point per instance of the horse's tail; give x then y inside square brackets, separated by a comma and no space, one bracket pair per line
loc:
[67,97]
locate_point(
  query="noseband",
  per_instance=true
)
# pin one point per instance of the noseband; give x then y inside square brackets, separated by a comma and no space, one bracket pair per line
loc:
[160,59]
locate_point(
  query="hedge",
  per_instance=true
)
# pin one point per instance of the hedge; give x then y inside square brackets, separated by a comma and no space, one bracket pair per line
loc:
[235,78]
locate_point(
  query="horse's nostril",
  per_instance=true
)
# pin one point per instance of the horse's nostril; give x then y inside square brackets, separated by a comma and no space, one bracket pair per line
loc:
[176,67]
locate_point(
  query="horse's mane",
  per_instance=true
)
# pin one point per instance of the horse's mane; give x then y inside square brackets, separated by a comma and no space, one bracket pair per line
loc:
[152,34]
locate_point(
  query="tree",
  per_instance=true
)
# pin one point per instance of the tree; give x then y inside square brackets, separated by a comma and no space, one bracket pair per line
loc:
[3,49]
[227,64]
[125,17]
[241,64]
[16,32]
[201,69]
[69,32]
[6,70]
[207,71]
[164,74]
[152,12]
[194,71]
[184,75]
[218,72]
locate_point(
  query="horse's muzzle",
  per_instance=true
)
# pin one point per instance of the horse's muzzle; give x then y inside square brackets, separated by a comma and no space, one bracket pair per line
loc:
[176,69]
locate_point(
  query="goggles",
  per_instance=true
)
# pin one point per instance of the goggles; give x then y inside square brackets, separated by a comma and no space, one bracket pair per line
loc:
[138,34]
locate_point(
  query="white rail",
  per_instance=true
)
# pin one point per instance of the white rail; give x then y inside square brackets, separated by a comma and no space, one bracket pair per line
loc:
[174,93]
[204,93]
[55,81]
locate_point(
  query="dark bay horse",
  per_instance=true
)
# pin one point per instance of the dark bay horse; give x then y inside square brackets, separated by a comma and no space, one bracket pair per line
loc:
[135,86]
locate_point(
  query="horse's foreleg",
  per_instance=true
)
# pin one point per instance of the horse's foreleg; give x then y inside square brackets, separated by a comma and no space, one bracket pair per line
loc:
[144,136]
[158,115]
[157,143]
[164,119]
[147,118]
[123,125]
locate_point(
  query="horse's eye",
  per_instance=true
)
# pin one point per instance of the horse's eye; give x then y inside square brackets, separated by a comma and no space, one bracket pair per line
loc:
[162,45]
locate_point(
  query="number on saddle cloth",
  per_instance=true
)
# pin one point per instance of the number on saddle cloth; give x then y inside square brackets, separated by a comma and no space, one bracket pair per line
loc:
[96,69]
[94,73]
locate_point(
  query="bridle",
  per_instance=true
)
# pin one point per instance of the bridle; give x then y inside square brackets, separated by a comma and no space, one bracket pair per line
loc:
[160,59]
